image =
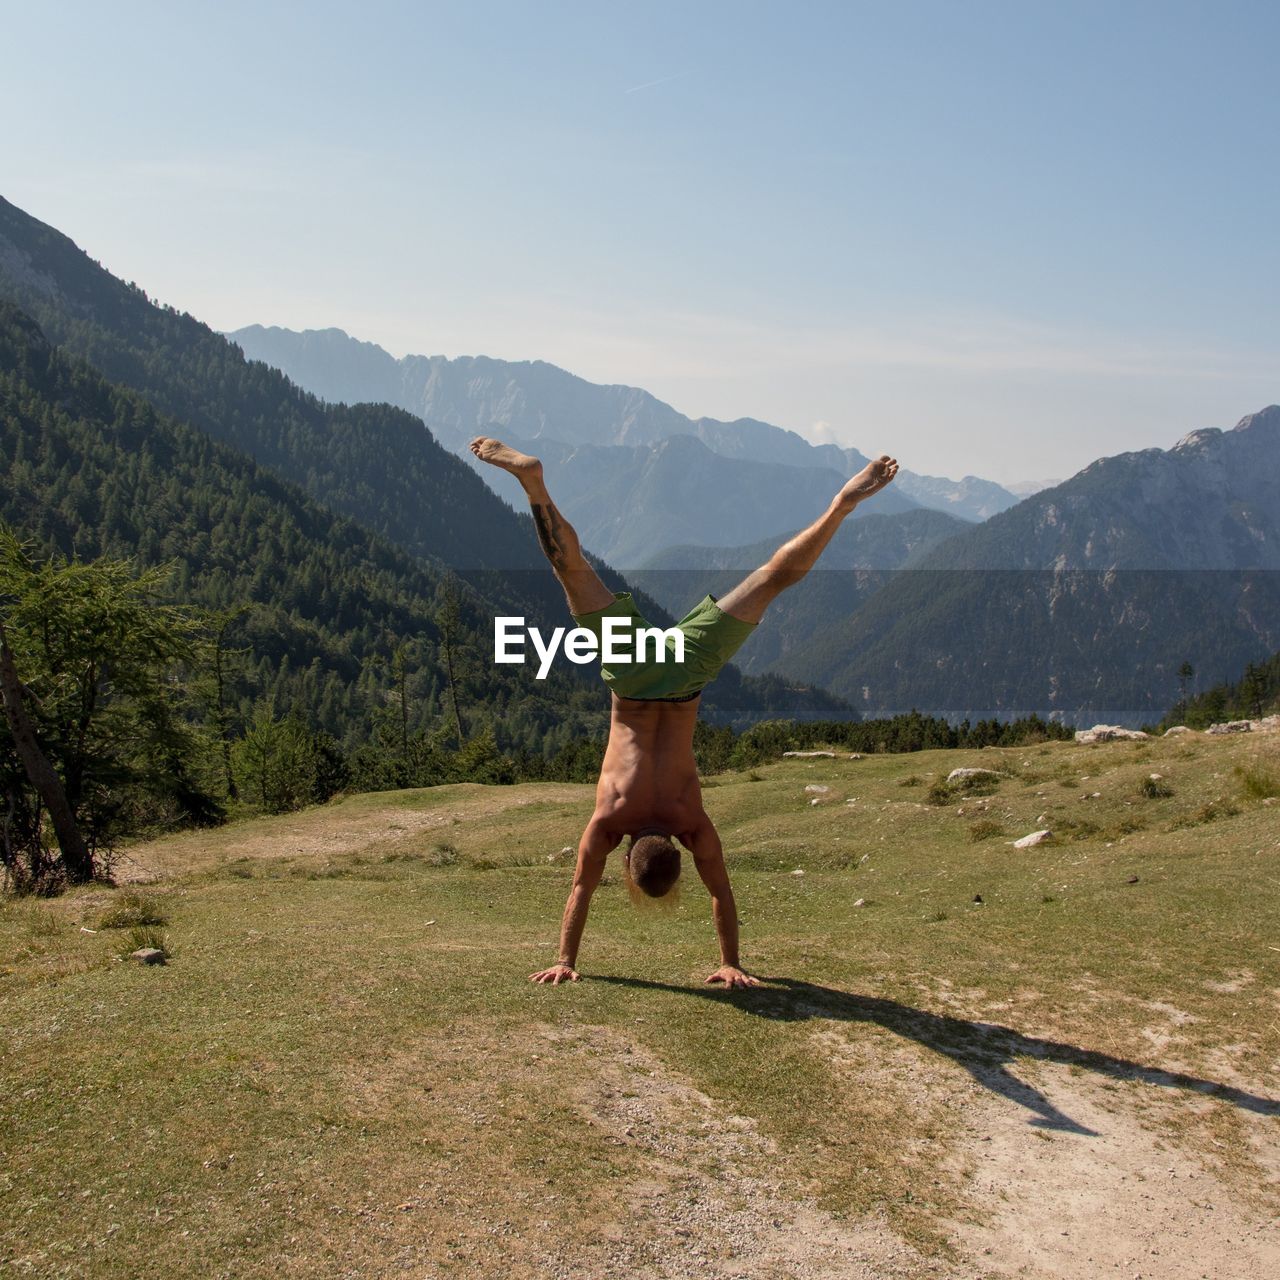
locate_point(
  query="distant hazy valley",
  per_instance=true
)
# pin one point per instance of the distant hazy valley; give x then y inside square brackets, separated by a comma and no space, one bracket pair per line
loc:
[616,449]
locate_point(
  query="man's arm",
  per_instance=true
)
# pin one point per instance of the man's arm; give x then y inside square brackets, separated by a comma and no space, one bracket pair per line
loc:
[708,857]
[593,849]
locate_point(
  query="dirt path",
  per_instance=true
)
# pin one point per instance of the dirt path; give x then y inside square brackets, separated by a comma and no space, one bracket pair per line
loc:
[361,824]
[691,1191]
[707,1205]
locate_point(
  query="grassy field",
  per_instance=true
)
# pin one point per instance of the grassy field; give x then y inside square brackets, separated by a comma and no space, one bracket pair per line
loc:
[342,1071]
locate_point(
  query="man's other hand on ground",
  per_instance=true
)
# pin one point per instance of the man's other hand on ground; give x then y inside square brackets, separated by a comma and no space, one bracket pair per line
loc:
[557,974]
[732,977]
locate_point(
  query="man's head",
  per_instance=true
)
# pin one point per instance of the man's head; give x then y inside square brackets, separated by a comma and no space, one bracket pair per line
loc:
[653,865]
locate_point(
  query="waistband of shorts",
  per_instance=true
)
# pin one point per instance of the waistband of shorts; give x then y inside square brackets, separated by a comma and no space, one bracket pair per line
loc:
[683,697]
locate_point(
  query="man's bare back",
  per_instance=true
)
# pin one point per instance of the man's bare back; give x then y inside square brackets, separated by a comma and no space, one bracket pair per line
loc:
[649,778]
[648,788]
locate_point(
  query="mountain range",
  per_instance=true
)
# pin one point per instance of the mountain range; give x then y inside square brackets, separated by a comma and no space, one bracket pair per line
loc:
[611,442]
[1081,601]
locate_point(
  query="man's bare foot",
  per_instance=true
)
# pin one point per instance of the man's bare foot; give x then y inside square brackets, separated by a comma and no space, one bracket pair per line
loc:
[521,465]
[870,480]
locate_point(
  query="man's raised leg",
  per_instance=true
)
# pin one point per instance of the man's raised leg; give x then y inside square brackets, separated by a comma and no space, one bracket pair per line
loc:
[753,595]
[582,586]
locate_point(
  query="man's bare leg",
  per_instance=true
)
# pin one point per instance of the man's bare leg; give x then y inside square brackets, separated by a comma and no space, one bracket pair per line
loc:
[582,586]
[753,595]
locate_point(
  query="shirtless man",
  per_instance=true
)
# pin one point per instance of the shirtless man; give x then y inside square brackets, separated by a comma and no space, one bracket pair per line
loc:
[648,788]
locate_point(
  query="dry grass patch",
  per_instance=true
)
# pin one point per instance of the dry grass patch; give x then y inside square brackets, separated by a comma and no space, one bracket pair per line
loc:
[1211,811]
[985,829]
[1258,782]
[132,910]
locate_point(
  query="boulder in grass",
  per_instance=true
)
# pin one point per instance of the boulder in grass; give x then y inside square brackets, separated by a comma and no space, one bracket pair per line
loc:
[1035,838]
[1177,731]
[1231,726]
[147,955]
[1108,733]
[960,775]
[816,788]
[808,755]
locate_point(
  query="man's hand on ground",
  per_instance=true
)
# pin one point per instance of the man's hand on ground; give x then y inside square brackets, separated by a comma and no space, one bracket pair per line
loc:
[732,977]
[557,974]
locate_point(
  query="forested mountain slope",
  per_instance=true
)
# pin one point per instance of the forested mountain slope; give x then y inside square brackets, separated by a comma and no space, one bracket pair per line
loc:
[90,469]
[1255,694]
[372,463]
[1209,502]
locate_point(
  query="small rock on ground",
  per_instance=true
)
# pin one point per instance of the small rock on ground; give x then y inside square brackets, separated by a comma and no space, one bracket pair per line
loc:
[1231,726]
[958,775]
[1036,837]
[1107,733]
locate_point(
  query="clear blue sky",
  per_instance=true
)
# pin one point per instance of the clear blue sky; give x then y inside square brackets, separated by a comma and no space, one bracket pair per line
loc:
[1000,238]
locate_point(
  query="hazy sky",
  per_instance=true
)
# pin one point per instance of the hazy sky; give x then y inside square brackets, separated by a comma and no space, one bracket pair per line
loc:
[992,238]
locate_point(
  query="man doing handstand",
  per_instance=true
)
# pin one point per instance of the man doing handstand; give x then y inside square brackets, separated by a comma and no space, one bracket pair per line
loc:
[648,788]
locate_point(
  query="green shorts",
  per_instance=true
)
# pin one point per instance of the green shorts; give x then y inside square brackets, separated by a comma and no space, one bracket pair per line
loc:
[711,638]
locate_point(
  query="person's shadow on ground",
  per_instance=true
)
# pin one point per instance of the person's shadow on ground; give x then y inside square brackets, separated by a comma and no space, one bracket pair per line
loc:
[983,1049]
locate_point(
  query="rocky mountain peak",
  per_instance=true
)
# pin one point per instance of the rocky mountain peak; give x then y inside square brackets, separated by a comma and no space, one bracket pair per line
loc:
[1268,419]
[1195,439]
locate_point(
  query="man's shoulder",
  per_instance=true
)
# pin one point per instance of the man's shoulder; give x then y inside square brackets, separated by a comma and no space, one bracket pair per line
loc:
[603,830]
[693,827]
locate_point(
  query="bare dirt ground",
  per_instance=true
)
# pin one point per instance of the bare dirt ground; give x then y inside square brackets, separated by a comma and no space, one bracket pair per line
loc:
[1117,1184]
[1120,1197]
[706,1203]
[1110,1189]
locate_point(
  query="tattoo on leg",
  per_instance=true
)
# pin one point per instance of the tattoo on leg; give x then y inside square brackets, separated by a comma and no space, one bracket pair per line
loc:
[547,522]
